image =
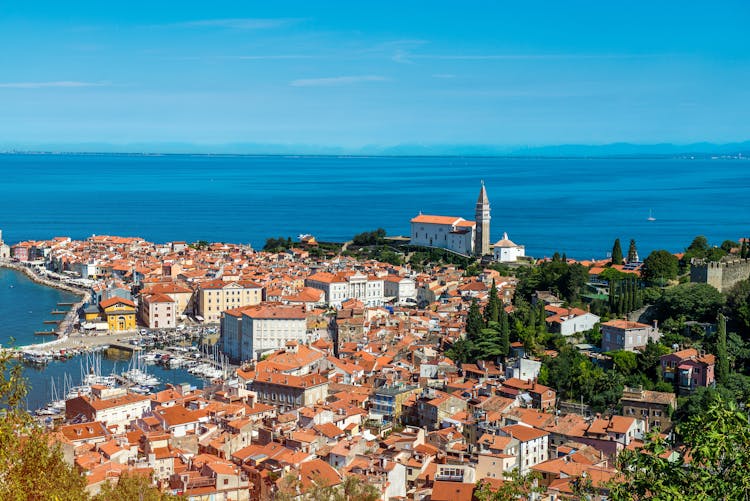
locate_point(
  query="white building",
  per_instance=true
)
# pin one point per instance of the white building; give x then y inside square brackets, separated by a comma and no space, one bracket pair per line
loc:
[505,251]
[444,232]
[339,287]
[252,331]
[569,321]
[112,406]
[402,289]
[533,445]
[4,248]
[455,233]
[158,311]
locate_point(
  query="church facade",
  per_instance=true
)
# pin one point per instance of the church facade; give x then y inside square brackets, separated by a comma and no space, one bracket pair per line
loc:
[469,238]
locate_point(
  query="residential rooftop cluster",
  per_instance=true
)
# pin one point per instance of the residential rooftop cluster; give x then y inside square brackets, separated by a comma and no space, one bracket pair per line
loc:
[342,369]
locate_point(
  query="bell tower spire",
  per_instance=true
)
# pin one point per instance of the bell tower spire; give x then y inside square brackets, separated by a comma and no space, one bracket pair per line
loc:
[482,214]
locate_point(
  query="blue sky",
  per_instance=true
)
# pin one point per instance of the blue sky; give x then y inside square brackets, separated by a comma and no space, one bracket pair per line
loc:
[353,74]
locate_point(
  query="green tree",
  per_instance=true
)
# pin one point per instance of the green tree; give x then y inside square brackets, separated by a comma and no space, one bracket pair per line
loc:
[625,362]
[738,306]
[693,301]
[30,468]
[504,338]
[617,252]
[515,486]
[722,356]
[132,487]
[494,304]
[474,321]
[717,443]
[660,265]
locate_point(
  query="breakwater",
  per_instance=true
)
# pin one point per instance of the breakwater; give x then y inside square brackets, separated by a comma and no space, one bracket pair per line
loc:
[65,326]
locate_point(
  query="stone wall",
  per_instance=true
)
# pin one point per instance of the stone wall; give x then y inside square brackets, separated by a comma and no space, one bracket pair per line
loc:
[722,275]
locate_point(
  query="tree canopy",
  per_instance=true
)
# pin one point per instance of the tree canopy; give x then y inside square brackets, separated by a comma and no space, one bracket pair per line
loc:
[713,464]
[660,265]
[694,301]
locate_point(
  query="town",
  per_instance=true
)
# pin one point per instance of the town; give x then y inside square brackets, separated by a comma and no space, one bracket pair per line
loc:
[438,366]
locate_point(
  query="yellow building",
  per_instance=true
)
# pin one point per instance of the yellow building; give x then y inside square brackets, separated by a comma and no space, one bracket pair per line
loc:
[217,296]
[119,313]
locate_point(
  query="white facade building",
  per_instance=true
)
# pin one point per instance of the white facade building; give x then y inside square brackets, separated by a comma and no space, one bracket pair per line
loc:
[402,289]
[158,311]
[569,321]
[339,287]
[505,251]
[444,232]
[250,332]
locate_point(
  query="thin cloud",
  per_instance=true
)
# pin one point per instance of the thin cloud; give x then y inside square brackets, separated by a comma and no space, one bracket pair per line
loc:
[241,23]
[522,57]
[44,85]
[444,75]
[336,81]
[260,57]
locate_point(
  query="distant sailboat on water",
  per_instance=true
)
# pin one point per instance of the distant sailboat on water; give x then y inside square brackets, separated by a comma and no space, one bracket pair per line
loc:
[650,216]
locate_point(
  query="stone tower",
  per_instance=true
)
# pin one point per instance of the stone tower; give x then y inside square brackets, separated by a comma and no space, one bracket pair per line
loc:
[482,217]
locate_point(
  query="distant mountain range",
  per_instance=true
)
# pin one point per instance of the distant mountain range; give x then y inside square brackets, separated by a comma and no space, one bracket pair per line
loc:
[566,150]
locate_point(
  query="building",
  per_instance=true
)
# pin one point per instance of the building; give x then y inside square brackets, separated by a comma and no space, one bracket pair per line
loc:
[402,290]
[505,251]
[689,368]
[285,391]
[158,311]
[112,406]
[182,296]
[119,313]
[653,407]
[4,248]
[248,333]
[455,233]
[626,335]
[569,321]
[388,400]
[339,287]
[533,445]
[217,296]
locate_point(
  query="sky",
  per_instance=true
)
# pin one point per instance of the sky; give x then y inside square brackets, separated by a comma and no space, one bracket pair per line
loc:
[360,74]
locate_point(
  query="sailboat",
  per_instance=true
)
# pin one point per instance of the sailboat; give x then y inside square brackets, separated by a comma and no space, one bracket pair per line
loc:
[650,216]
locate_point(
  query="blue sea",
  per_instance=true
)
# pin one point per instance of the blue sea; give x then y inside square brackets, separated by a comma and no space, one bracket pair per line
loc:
[577,206]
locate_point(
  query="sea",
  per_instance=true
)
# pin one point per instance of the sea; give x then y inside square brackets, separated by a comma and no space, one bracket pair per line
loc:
[576,206]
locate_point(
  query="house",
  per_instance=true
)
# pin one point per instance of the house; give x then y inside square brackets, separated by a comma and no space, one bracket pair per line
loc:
[569,321]
[112,406]
[653,407]
[689,368]
[387,401]
[626,335]
[158,311]
[402,290]
[119,314]
[541,397]
[284,391]
[249,332]
[533,445]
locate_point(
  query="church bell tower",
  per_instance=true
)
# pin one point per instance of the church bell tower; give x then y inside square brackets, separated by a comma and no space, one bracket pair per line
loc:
[482,236]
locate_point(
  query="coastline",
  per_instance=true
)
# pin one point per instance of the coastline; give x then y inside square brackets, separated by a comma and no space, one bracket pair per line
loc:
[66,325]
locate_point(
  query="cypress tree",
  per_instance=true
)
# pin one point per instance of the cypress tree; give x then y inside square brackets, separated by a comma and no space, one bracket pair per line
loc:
[612,299]
[617,252]
[474,321]
[743,248]
[542,327]
[564,258]
[504,339]
[722,355]
[556,256]
[620,303]
[492,310]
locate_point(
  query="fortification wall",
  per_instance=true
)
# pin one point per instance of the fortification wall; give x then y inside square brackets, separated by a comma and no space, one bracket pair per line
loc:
[722,275]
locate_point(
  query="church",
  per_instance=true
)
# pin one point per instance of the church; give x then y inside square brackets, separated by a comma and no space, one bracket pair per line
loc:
[469,238]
